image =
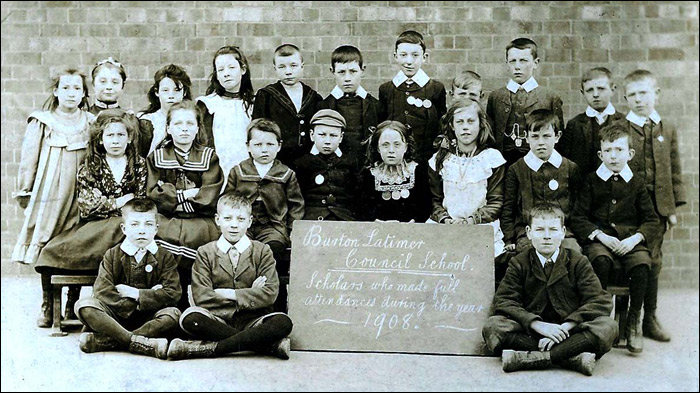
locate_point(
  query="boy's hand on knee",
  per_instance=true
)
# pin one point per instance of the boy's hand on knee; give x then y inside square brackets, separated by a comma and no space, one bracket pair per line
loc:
[127,291]
[627,245]
[550,330]
[545,344]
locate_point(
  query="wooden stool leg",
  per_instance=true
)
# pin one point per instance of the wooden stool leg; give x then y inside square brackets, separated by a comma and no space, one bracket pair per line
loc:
[56,330]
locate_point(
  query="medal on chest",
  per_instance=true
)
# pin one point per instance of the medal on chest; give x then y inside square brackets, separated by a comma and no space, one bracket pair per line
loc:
[553,184]
[149,268]
[319,179]
[418,103]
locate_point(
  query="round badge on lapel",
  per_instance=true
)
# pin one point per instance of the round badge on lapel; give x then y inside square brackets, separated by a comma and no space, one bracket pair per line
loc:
[553,184]
[410,100]
[427,104]
[660,138]
[319,179]
[418,102]
[149,268]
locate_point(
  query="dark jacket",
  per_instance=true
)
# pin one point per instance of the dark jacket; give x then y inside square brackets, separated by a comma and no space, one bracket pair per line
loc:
[169,174]
[272,102]
[573,290]
[212,269]
[415,207]
[499,108]
[116,269]
[519,196]
[669,192]
[424,122]
[279,190]
[580,141]
[337,195]
[352,141]
[617,208]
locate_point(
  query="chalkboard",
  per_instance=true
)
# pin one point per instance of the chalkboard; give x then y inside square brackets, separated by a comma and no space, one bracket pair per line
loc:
[390,287]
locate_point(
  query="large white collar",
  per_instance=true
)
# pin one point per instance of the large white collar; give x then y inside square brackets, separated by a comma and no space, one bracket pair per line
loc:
[338,93]
[421,78]
[535,163]
[609,110]
[543,260]
[240,246]
[314,151]
[604,173]
[131,249]
[529,85]
[641,120]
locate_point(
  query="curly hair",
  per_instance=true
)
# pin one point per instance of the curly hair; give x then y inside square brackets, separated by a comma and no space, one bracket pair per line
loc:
[96,150]
[178,75]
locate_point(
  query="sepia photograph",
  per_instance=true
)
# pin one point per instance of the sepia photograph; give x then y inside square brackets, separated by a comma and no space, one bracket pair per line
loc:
[350,196]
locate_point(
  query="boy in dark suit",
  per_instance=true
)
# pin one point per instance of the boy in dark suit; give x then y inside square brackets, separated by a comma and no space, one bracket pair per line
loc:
[580,142]
[412,97]
[613,218]
[329,178]
[509,105]
[658,163]
[289,102]
[135,292]
[234,284]
[550,308]
[359,108]
[543,175]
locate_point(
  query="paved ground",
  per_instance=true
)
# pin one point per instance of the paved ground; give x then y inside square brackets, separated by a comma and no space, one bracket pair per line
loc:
[31,360]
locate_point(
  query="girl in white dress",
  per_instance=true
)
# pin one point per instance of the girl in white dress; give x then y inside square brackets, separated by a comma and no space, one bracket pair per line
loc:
[466,176]
[228,107]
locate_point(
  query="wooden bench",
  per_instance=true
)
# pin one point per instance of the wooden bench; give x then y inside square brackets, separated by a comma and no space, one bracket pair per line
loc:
[621,296]
[57,284]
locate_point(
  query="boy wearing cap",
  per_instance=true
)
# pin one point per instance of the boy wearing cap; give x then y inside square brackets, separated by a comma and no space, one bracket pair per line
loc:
[412,97]
[289,102]
[327,177]
[359,108]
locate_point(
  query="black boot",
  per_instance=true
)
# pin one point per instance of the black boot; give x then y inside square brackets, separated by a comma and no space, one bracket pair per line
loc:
[46,316]
[652,329]
[633,331]
[73,296]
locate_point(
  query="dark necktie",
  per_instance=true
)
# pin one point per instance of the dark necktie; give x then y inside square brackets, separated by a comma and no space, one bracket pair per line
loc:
[520,97]
[548,266]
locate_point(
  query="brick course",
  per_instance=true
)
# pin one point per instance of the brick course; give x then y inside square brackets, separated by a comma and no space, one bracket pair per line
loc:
[40,37]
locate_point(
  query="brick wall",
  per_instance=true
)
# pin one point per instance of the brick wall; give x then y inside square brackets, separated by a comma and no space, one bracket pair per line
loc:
[39,37]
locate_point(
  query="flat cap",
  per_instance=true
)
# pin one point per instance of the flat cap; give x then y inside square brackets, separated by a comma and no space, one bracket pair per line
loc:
[328,117]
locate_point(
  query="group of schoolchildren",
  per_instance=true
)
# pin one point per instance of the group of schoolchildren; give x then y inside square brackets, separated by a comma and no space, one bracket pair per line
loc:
[204,194]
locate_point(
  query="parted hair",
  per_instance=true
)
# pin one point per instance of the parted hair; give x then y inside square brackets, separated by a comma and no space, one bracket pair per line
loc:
[96,150]
[285,50]
[246,90]
[178,75]
[595,73]
[613,132]
[188,105]
[640,75]
[406,135]
[448,143]
[345,54]
[466,79]
[410,37]
[139,205]
[542,118]
[51,103]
